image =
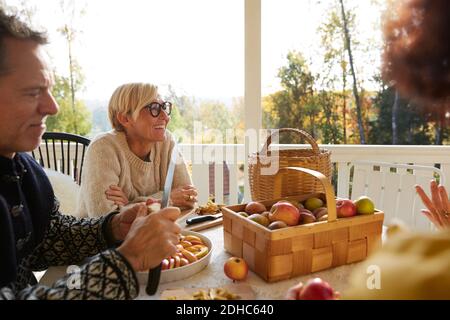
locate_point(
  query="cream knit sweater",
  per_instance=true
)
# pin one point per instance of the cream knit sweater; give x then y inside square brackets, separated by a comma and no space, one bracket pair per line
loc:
[109,161]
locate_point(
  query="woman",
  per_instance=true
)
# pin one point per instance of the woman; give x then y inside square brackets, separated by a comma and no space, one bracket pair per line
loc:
[129,164]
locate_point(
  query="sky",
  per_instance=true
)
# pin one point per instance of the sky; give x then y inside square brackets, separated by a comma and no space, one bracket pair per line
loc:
[197,46]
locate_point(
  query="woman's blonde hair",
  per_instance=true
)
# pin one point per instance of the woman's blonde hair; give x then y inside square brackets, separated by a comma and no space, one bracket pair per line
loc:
[129,99]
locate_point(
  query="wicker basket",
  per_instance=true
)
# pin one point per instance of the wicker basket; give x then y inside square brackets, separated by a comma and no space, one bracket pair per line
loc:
[285,253]
[264,165]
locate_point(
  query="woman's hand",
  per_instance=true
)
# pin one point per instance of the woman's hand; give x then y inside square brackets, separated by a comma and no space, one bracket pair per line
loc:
[115,193]
[185,196]
[438,207]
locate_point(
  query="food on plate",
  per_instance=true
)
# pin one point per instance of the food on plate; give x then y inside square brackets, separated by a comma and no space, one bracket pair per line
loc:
[236,269]
[189,250]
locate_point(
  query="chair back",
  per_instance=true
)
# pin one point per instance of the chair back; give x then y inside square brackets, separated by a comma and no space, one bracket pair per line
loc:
[62,152]
[391,187]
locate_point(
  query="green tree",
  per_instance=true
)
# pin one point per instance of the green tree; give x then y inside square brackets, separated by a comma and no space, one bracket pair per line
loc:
[294,105]
[413,126]
[66,120]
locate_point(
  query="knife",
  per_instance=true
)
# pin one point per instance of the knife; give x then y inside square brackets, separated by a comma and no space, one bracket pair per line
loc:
[155,273]
[204,218]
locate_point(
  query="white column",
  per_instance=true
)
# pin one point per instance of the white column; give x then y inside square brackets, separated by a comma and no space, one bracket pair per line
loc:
[252,99]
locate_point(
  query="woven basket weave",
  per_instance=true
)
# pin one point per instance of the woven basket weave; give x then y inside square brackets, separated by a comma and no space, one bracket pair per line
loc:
[290,252]
[262,176]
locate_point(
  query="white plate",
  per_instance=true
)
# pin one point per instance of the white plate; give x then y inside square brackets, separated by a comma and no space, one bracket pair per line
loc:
[181,273]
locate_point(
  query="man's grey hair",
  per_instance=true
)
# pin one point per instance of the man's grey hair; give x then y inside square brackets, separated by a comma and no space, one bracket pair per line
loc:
[12,27]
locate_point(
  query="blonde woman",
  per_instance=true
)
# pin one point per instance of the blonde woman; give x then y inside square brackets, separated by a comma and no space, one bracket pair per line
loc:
[129,163]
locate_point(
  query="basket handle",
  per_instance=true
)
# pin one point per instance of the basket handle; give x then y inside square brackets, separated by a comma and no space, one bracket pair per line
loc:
[302,133]
[329,193]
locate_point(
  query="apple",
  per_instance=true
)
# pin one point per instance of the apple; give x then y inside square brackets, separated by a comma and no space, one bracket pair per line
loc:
[277,225]
[316,289]
[236,269]
[319,212]
[286,212]
[306,216]
[255,207]
[313,203]
[244,214]
[345,208]
[260,219]
[266,214]
[364,205]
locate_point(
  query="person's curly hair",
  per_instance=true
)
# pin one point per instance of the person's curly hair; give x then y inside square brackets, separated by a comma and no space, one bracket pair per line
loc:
[416,58]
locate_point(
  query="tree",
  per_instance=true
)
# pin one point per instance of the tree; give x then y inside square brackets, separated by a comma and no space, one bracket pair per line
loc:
[66,120]
[348,46]
[294,104]
[413,127]
[69,31]
[334,57]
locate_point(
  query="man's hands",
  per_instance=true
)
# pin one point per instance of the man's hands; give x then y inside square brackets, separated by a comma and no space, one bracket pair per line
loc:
[184,197]
[438,208]
[150,238]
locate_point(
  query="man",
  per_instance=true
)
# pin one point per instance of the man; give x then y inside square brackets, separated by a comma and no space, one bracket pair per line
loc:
[33,234]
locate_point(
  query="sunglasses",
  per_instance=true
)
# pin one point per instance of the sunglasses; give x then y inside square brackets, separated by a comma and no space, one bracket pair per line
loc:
[155,108]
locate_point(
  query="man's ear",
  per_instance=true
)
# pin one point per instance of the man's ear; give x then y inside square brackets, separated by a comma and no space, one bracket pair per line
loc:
[124,119]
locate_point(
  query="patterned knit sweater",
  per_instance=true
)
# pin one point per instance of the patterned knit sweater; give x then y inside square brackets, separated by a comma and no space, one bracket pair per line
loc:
[35,236]
[109,161]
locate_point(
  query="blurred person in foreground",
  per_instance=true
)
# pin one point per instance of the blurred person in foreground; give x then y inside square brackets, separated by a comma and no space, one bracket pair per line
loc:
[416,60]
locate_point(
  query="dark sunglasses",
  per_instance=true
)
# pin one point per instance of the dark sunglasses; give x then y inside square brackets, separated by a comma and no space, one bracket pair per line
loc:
[155,108]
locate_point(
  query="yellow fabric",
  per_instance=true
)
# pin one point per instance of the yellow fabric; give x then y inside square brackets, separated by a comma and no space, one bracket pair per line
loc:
[412,266]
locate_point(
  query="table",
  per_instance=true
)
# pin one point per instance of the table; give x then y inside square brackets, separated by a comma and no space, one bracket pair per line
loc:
[213,275]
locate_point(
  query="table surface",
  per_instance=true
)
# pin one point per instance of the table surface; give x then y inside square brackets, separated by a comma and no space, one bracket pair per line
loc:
[213,275]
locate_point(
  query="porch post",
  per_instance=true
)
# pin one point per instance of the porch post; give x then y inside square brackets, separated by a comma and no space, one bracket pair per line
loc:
[252,98]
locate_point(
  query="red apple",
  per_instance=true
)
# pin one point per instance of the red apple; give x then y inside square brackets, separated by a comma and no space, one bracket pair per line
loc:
[345,208]
[286,212]
[236,269]
[316,289]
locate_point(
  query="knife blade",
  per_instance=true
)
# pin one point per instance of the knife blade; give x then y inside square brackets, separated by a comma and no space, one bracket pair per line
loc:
[204,218]
[155,273]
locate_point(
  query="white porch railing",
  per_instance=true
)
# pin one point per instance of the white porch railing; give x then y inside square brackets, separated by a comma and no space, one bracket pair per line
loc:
[226,186]
[201,155]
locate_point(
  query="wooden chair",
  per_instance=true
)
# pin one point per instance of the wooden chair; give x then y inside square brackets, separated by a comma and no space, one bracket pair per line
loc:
[391,187]
[63,152]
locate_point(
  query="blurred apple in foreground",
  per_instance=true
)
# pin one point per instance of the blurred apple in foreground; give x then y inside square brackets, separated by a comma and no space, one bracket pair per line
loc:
[345,208]
[286,212]
[236,269]
[316,289]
